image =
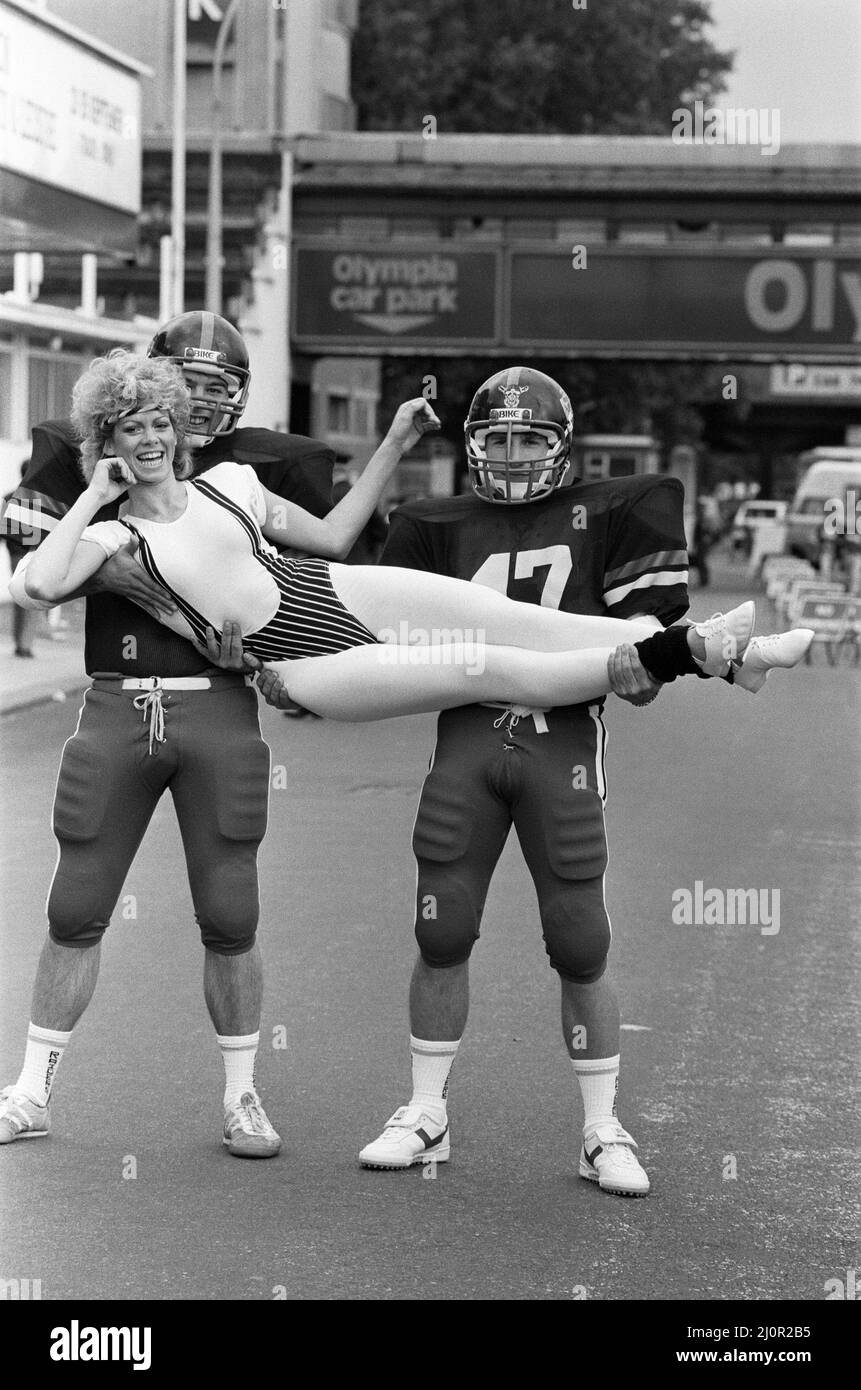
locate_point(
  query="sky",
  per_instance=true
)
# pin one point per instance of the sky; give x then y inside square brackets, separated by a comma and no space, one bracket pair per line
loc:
[802,57]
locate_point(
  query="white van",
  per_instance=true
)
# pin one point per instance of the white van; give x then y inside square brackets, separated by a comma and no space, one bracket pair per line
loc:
[832,474]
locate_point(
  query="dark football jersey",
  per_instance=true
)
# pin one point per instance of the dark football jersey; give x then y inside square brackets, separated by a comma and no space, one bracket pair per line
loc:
[615,547]
[119,636]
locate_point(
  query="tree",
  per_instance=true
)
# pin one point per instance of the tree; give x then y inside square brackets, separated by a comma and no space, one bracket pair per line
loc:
[617,67]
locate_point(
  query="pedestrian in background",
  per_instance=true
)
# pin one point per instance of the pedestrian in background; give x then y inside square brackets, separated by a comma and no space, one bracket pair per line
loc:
[22,619]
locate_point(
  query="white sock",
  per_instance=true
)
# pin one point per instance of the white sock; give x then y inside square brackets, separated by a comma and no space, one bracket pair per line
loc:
[431,1066]
[599,1083]
[239,1054]
[45,1047]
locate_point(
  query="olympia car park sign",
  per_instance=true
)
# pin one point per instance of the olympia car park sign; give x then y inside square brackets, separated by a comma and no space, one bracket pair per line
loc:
[609,299]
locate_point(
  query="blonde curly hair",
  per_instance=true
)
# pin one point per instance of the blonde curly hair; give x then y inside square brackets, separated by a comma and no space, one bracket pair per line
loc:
[119,384]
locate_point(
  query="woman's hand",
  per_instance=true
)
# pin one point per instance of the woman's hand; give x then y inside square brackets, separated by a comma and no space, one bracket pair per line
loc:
[111,478]
[412,419]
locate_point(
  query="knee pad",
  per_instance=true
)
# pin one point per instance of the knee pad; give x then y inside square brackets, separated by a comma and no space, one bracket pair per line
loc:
[71,925]
[227,934]
[577,932]
[228,926]
[453,872]
[77,914]
[448,915]
[227,904]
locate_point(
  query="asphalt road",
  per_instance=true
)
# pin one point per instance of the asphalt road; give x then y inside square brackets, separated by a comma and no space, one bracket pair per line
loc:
[739,1054]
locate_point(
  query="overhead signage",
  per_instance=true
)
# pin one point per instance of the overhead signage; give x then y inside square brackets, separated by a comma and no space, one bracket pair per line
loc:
[661,299]
[68,117]
[394,294]
[610,300]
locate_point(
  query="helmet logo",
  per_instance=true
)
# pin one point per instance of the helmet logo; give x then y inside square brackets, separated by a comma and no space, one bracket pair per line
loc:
[203,355]
[511,395]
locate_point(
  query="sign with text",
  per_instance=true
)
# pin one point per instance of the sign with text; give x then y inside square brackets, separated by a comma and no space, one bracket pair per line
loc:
[68,117]
[394,295]
[815,381]
[659,300]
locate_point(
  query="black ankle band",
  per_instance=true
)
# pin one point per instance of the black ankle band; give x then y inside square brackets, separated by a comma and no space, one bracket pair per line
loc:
[667,655]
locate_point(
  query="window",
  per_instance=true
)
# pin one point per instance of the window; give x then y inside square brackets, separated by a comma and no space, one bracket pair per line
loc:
[750,233]
[52,376]
[688,229]
[576,230]
[417,228]
[530,228]
[372,228]
[337,413]
[808,234]
[485,228]
[642,233]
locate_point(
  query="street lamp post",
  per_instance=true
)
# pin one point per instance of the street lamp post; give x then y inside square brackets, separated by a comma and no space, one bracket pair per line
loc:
[177,217]
[214,209]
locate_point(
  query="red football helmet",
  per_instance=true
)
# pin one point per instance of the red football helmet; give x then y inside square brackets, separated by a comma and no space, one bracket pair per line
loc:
[518,400]
[207,343]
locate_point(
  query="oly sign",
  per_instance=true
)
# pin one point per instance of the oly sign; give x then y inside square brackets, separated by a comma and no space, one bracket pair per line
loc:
[657,299]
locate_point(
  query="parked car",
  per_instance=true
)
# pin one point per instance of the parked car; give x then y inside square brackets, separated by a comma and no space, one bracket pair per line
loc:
[750,517]
[833,477]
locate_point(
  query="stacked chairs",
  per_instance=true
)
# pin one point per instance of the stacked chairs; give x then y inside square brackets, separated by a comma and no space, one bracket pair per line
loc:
[802,599]
[836,620]
[791,600]
[777,570]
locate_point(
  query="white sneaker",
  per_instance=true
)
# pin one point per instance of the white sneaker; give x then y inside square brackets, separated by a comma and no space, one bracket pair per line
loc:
[726,636]
[764,653]
[608,1159]
[21,1117]
[247,1129]
[412,1135]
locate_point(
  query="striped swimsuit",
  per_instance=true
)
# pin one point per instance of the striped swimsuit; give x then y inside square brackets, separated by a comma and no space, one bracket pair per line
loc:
[215,563]
[311,619]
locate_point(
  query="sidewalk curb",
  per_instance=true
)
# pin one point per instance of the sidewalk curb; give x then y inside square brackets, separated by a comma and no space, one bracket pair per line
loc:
[42,695]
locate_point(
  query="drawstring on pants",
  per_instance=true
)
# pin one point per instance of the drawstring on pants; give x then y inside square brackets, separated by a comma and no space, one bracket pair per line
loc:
[150,703]
[513,718]
[514,714]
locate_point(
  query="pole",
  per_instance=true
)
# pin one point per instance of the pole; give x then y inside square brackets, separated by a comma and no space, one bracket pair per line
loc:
[177,217]
[165,279]
[214,207]
[287,224]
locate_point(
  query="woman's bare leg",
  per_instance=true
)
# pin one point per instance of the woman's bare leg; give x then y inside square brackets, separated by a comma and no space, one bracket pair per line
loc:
[411,607]
[384,681]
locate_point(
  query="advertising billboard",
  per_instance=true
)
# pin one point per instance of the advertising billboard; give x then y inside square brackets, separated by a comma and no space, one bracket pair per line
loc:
[69,117]
[395,294]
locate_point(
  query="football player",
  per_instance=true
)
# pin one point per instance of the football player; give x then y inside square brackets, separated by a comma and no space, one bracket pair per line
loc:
[214,759]
[614,547]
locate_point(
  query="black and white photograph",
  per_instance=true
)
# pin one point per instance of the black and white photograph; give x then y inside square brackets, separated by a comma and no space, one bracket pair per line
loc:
[430,655]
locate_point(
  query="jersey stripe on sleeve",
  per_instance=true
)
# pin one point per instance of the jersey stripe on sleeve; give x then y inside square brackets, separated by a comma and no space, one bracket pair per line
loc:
[29,516]
[662,567]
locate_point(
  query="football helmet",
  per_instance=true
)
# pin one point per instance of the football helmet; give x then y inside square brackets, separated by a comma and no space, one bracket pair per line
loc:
[518,400]
[207,343]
